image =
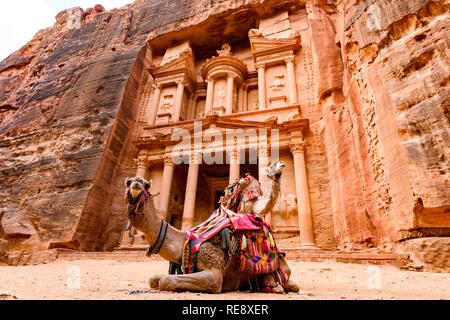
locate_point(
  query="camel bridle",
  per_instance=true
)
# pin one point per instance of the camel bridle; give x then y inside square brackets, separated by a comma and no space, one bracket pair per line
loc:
[132,210]
[133,207]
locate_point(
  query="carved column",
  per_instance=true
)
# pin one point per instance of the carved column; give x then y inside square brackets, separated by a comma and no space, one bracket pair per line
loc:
[155,104]
[293,97]
[209,96]
[191,192]
[178,101]
[263,163]
[167,178]
[304,204]
[235,165]
[262,100]
[241,99]
[230,94]
[245,102]
[142,166]
[191,107]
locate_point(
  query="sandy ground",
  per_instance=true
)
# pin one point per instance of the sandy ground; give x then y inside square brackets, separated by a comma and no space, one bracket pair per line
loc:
[122,280]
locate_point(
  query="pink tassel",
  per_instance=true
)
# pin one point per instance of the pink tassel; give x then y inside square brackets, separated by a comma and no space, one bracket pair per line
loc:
[266,248]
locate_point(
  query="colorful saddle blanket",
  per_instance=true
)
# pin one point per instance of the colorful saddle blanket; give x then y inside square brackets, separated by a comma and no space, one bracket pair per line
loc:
[240,192]
[259,253]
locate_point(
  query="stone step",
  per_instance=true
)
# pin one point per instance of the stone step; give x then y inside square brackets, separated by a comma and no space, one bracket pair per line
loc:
[292,254]
[345,257]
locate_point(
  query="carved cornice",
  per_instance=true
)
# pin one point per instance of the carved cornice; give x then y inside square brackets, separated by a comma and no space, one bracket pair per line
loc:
[263,47]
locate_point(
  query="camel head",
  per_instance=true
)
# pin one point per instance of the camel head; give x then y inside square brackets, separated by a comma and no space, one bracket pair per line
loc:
[275,170]
[136,186]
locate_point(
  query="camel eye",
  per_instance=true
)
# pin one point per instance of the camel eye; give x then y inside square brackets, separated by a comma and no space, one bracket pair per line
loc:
[128,182]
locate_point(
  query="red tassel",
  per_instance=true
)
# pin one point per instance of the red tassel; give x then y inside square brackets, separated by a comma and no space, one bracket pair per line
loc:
[267,289]
[266,248]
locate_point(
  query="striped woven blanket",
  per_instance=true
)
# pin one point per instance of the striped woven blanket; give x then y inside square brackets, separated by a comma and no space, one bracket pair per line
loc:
[258,254]
[218,221]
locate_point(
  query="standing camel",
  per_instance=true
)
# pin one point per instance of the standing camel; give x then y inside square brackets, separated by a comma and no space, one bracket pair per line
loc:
[212,275]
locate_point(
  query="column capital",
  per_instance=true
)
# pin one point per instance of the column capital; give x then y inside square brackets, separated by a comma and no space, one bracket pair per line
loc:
[289,59]
[142,161]
[210,79]
[263,152]
[168,161]
[182,82]
[297,147]
[260,65]
[231,74]
[235,154]
[157,85]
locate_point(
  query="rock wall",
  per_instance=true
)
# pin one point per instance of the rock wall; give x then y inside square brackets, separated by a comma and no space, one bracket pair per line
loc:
[386,120]
[372,79]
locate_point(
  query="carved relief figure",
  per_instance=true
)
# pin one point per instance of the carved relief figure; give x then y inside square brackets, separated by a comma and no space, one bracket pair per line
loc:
[279,82]
[167,105]
[226,50]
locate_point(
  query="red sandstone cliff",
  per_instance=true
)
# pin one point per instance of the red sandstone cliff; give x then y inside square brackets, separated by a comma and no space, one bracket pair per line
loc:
[375,90]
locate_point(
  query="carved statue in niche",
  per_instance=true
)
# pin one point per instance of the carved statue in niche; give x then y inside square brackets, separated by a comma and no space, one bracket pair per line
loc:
[255,33]
[167,105]
[252,99]
[226,50]
[279,82]
[221,96]
[290,203]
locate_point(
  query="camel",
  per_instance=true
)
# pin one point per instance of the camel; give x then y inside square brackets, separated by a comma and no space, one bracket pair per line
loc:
[212,275]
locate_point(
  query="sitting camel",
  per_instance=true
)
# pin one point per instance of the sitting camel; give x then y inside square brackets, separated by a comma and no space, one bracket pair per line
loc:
[213,273]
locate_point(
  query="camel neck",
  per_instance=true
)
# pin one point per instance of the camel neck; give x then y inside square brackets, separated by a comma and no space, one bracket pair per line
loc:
[172,247]
[270,196]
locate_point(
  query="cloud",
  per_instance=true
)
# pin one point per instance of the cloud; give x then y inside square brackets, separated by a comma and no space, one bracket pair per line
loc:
[108,4]
[20,20]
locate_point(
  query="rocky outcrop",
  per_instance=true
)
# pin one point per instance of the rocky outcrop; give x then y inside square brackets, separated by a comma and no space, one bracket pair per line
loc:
[386,124]
[427,254]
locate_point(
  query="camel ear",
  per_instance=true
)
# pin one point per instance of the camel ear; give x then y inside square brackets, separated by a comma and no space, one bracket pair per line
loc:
[148,185]
[128,182]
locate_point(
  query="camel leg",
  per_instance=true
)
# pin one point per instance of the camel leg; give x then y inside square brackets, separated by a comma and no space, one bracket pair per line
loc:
[290,285]
[209,281]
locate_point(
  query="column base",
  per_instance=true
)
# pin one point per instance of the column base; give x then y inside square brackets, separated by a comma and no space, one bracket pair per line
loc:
[308,246]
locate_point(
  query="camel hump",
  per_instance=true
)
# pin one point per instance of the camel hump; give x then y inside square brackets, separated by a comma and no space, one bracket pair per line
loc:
[244,190]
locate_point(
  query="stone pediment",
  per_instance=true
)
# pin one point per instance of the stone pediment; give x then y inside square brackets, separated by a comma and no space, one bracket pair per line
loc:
[179,68]
[262,46]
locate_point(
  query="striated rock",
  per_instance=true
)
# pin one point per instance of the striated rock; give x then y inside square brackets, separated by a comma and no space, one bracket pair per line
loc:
[427,254]
[16,225]
[21,258]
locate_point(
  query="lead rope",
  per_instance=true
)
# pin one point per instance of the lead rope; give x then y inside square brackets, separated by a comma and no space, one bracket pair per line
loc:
[281,213]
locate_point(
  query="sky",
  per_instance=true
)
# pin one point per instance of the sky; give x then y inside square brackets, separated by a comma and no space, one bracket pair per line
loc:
[21,19]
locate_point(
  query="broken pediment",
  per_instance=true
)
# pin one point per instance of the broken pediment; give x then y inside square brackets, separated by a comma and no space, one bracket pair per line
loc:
[262,46]
[178,63]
